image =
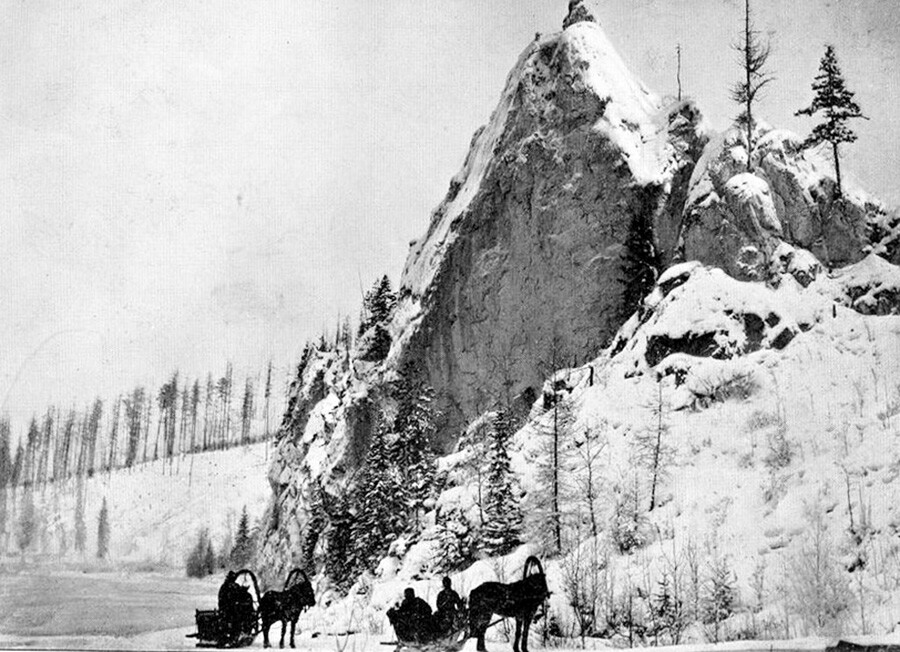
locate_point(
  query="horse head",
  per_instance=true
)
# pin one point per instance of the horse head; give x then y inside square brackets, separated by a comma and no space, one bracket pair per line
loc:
[299,584]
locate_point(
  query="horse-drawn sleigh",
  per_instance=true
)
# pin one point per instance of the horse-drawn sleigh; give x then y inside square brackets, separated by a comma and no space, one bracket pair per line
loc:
[418,631]
[242,614]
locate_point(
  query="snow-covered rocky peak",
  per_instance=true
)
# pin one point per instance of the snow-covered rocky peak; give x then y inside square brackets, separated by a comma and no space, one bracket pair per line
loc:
[579,11]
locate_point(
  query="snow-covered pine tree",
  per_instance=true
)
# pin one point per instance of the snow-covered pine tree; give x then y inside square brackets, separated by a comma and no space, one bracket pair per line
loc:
[754,54]
[242,550]
[339,563]
[411,452]
[720,596]
[667,609]
[838,105]
[502,528]
[378,307]
[453,536]
[378,519]
[103,532]
[641,261]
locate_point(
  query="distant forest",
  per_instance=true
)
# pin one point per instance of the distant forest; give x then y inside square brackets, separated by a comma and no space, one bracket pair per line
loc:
[183,416]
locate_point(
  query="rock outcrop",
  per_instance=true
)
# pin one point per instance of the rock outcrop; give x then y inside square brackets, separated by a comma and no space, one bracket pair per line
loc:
[736,220]
[521,260]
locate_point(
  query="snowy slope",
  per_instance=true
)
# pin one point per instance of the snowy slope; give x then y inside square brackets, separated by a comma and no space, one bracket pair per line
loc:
[156,510]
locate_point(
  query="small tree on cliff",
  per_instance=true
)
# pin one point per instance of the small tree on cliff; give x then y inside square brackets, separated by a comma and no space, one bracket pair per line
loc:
[502,516]
[836,102]
[641,261]
[754,54]
[378,307]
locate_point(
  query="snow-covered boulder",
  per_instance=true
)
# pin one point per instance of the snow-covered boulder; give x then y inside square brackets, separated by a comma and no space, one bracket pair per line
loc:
[871,286]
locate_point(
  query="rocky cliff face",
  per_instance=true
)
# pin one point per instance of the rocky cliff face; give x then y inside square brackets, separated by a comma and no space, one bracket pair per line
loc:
[520,262]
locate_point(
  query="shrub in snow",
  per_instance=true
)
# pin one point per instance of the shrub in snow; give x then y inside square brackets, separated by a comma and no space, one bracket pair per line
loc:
[628,522]
[818,588]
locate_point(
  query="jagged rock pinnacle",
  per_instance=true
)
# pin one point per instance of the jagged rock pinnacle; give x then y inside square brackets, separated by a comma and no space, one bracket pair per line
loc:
[578,13]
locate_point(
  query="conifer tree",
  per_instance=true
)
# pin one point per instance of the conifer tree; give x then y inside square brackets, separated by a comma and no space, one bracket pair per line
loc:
[209,558]
[339,563]
[80,529]
[502,528]
[379,511]
[103,532]
[27,522]
[378,307]
[411,452]
[242,550]
[754,55]
[721,594]
[641,261]
[247,411]
[134,412]
[651,448]
[195,564]
[6,469]
[838,106]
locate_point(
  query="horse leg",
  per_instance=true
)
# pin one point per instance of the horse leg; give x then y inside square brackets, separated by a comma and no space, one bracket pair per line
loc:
[518,634]
[283,630]
[293,626]
[526,625]
[265,628]
[481,647]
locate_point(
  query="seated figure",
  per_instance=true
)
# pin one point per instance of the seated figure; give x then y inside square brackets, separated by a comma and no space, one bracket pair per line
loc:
[412,618]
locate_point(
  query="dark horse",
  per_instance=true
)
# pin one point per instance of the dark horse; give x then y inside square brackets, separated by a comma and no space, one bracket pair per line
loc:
[519,600]
[286,605]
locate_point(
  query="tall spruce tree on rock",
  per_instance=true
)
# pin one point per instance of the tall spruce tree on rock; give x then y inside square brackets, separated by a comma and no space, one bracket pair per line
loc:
[641,261]
[379,509]
[502,528]
[836,102]
[378,307]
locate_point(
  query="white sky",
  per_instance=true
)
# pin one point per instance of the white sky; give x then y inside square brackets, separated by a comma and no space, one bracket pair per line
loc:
[187,183]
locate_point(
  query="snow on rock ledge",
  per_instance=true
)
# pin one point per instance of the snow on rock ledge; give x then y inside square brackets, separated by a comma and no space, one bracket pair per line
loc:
[703,312]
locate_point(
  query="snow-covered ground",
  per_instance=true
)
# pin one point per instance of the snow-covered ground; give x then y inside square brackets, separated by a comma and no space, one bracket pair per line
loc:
[155,509]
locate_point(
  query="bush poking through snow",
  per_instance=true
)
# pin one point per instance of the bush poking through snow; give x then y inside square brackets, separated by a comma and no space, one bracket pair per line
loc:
[628,522]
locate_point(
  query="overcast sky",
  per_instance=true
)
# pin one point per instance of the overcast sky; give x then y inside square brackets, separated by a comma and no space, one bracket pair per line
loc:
[187,183]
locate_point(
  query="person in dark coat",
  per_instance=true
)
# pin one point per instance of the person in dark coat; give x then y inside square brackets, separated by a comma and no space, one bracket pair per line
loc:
[412,618]
[234,600]
[449,605]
